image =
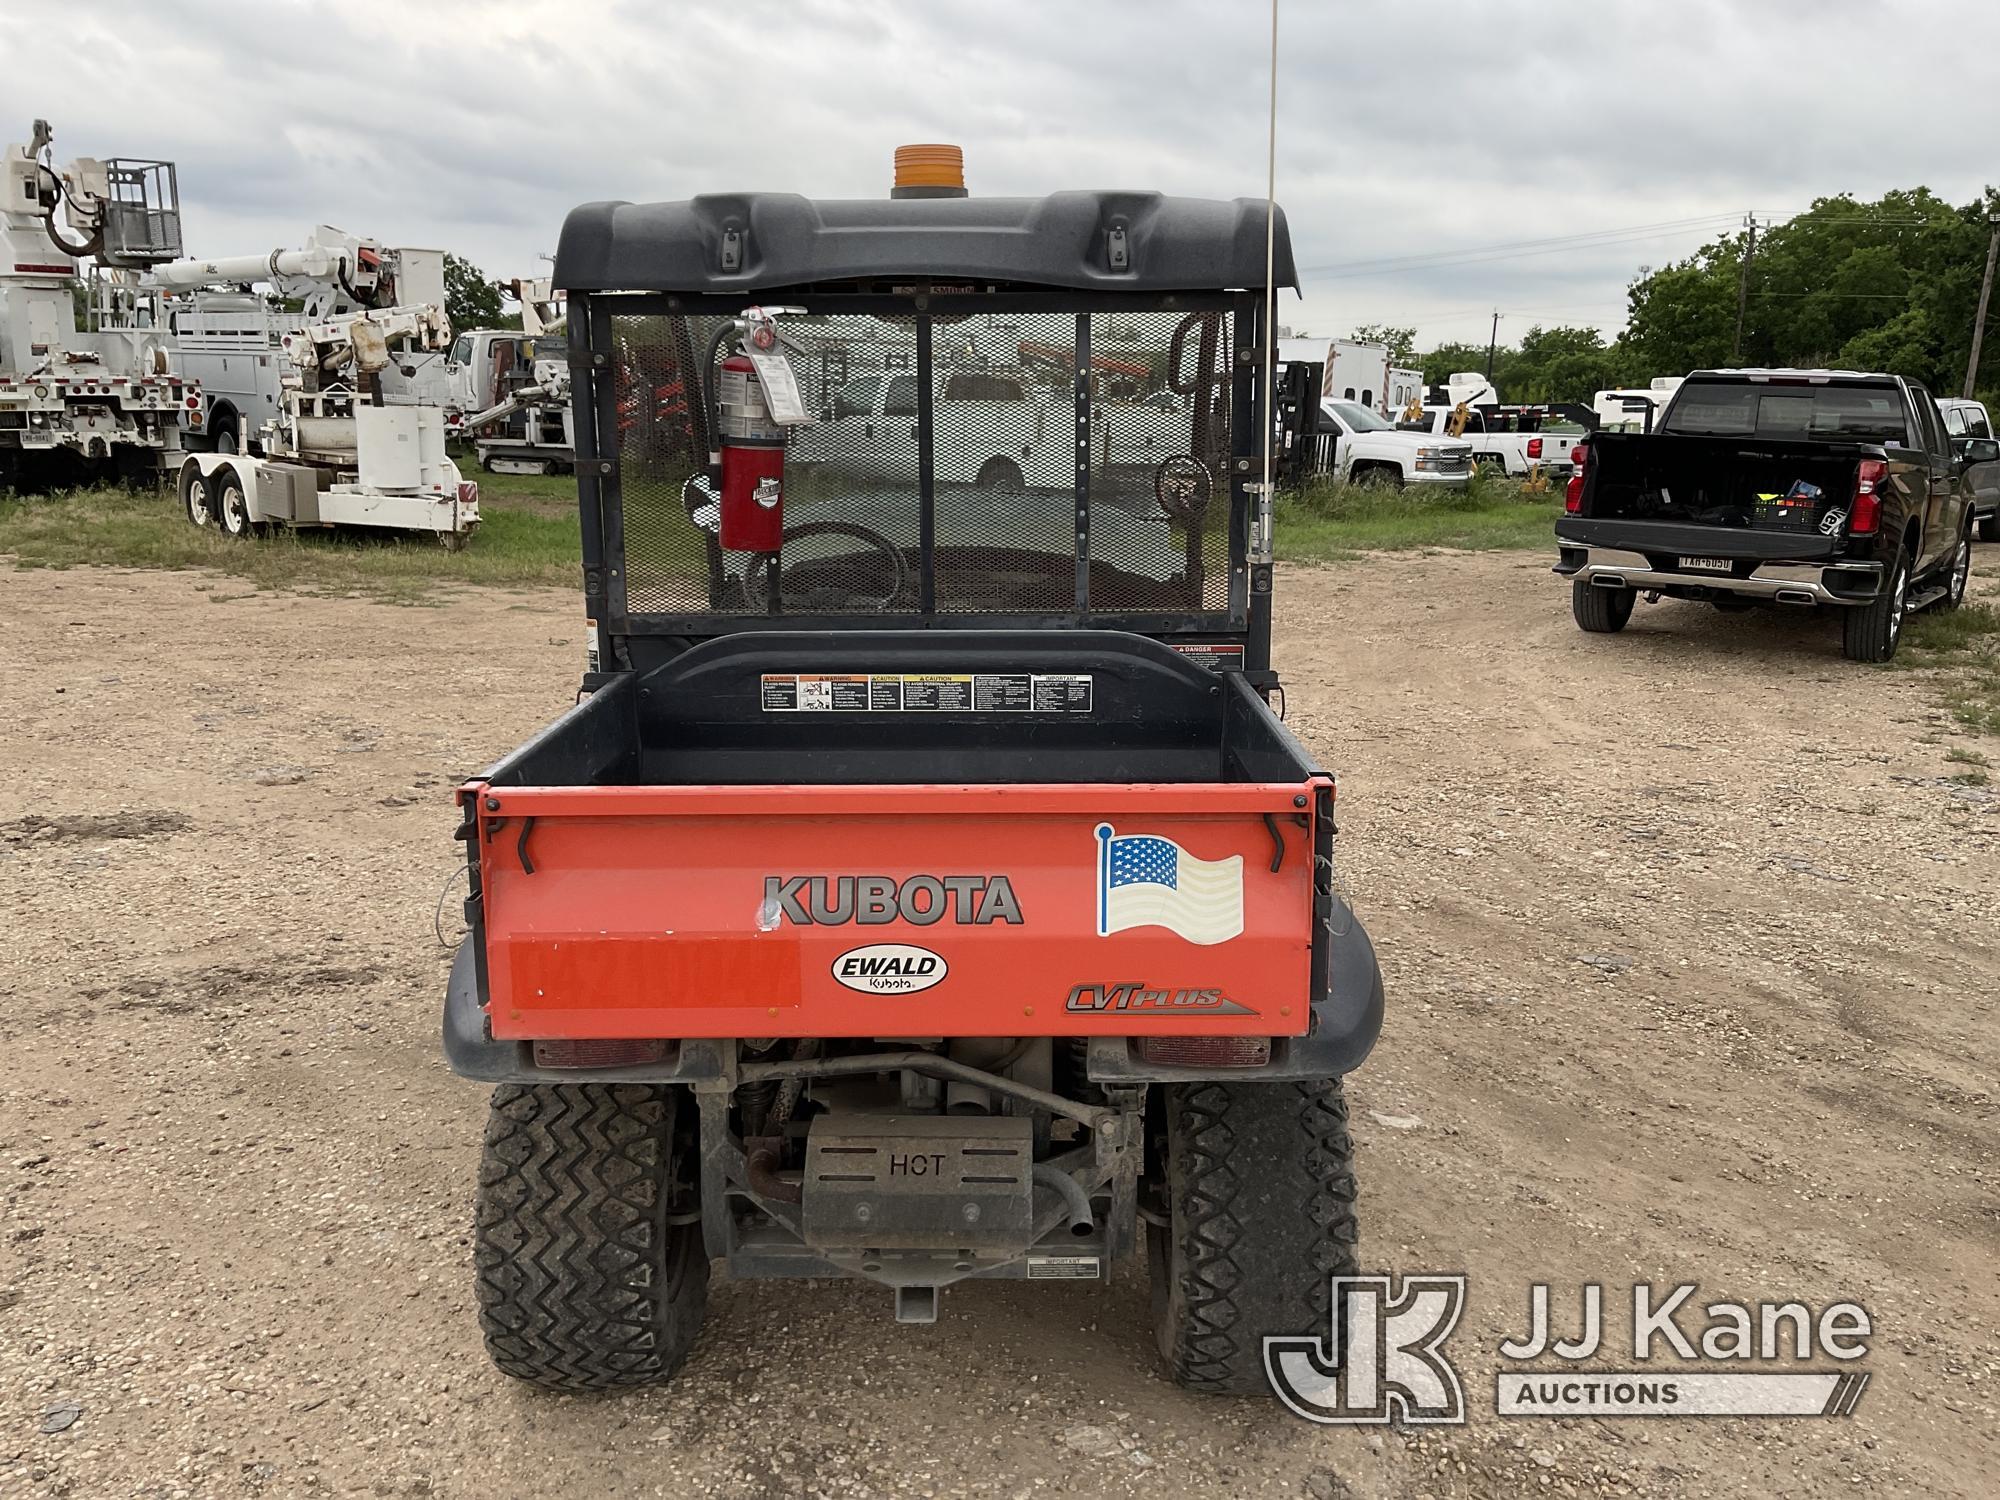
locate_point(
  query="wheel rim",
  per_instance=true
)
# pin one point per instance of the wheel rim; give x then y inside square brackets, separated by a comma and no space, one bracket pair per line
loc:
[1961,573]
[197,504]
[1897,595]
[235,518]
[225,440]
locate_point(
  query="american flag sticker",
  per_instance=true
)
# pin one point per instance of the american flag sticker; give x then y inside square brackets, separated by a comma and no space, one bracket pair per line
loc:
[1144,880]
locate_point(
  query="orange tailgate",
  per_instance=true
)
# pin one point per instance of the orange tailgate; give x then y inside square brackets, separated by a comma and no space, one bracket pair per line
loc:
[896,911]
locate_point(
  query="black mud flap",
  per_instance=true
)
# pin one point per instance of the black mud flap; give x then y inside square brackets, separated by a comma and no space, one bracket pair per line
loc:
[1346,1019]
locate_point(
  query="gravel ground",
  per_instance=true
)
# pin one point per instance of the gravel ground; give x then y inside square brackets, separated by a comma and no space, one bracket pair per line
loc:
[1692,956]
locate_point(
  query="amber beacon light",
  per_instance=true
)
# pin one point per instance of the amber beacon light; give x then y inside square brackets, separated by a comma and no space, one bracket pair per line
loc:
[929,172]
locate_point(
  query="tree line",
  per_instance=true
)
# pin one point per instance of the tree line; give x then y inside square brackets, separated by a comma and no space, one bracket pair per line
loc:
[1890,284]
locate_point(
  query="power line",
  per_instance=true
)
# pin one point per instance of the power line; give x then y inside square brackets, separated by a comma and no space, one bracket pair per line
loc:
[1558,239]
[1481,260]
[1594,239]
[1511,249]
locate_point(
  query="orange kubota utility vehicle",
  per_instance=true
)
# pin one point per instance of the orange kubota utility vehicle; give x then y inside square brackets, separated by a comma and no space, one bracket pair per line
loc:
[922,889]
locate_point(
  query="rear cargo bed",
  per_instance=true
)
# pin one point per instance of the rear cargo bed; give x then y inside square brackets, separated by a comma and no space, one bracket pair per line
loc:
[1745,484]
[791,834]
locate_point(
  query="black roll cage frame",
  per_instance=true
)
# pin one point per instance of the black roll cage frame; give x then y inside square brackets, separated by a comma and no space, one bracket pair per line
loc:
[1246,621]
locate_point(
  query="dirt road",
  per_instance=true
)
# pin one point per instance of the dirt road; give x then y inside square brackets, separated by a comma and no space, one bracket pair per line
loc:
[235,1178]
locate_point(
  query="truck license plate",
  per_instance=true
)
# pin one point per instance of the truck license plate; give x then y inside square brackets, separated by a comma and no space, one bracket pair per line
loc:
[1709,564]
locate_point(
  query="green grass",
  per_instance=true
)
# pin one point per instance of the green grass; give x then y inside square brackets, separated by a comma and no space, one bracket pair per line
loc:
[1964,646]
[516,546]
[1330,522]
[528,536]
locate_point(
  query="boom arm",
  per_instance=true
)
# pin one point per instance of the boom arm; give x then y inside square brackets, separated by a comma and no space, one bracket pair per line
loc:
[551,392]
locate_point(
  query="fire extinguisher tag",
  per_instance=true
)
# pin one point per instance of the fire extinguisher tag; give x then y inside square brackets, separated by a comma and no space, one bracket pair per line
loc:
[781,386]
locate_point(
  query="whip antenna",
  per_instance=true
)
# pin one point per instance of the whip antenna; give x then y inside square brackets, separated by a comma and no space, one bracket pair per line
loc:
[1264,504]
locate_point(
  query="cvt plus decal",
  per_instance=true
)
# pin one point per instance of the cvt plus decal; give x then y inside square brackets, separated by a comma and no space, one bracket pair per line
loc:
[1136,999]
[877,900]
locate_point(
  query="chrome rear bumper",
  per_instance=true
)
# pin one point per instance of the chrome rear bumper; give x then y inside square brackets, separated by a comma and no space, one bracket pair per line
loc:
[1837,583]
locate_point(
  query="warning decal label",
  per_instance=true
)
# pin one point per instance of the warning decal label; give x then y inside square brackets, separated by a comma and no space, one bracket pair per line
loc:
[1062,1268]
[1217,656]
[925,692]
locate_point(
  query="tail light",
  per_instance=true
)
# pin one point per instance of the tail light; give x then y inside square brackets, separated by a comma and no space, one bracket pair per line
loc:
[599,1052]
[1534,447]
[1206,1051]
[1864,514]
[1573,496]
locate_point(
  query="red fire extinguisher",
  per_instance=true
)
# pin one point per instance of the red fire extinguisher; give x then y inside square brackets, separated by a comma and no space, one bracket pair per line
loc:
[753,459]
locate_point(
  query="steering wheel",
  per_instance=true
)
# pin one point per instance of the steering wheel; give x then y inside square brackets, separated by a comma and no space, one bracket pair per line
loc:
[757,576]
[1183,486]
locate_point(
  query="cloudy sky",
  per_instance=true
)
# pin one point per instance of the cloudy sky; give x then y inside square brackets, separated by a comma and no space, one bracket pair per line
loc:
[1422,148]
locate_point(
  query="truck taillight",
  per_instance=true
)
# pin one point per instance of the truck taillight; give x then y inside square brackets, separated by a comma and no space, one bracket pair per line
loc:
[1534,447]
[1573,496]
[1864,514]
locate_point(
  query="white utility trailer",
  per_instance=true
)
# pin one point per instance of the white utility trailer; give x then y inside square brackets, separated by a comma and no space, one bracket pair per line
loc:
[337,453]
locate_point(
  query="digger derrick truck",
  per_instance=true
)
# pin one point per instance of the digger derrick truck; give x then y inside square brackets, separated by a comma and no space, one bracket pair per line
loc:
[230,335]
[82,403]
[923,890]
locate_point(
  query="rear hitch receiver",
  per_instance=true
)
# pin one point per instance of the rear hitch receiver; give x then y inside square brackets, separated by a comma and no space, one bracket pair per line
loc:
[916,1304]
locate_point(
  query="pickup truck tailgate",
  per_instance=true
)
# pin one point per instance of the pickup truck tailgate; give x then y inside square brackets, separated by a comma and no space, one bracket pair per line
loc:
[896,910]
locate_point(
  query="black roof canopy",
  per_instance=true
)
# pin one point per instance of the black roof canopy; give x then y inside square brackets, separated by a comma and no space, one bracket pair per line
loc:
[722,243]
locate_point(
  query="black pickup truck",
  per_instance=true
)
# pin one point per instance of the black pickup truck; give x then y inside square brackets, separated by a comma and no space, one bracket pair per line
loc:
[1806,487]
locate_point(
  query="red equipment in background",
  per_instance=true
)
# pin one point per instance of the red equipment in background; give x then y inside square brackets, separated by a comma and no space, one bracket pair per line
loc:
[753,458]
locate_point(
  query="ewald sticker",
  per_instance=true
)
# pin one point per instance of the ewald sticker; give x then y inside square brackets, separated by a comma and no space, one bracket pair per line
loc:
[889,969]
[1144,880]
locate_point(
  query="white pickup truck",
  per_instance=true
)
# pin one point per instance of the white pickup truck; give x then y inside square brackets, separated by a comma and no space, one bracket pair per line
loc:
[1519,440]
[1365,446]
[991,429]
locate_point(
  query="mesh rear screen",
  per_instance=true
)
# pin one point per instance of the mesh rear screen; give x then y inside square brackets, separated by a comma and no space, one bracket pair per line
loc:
[1004,467]
[1159,454]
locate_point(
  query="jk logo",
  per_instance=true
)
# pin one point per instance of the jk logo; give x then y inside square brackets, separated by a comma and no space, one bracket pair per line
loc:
[1381,1360]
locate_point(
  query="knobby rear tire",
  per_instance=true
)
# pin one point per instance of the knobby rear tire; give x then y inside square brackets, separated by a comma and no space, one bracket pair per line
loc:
[1259,1181]
[584,1284]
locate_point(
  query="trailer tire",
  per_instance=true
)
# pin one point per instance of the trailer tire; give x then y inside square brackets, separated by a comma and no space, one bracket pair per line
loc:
[1259,1181]
[1871,631]
[198,500]
[231,502]
[584,1281]
[223,432]
[1600,611]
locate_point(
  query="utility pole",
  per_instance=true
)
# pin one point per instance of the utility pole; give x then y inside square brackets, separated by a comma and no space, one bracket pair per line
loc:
[1985,295]
[1493,343]
[1743,286]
